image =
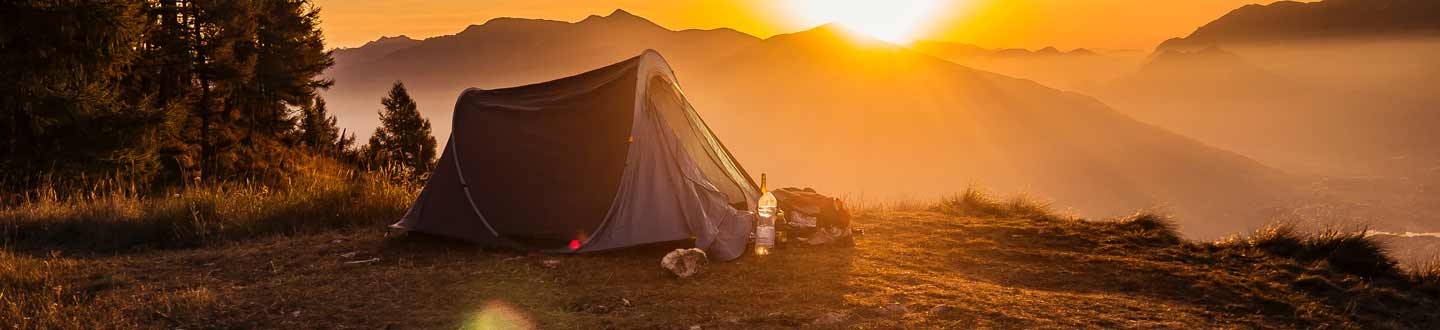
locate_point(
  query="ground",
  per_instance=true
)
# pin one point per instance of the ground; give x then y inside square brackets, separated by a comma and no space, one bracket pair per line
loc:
[912,269]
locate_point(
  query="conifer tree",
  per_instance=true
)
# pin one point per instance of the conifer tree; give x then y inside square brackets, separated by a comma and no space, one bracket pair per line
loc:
[62,64]
[403,137]
[213,87]
[318,130]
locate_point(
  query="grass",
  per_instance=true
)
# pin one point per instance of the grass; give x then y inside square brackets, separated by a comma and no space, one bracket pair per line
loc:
[941,271]
[279,256]
[322,195]
[977,203]
[1427,276]
[48,293]
[1352,252]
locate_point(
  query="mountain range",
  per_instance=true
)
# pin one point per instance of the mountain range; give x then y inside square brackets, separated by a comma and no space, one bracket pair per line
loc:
[1336,91]
[1079,69]
[848,115]
[1291,21]
[1278,81]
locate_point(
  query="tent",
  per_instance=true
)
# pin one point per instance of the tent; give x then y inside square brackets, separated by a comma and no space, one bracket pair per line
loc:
[606,159]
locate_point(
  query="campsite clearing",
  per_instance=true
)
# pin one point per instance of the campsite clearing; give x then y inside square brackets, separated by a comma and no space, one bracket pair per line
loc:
[910,270]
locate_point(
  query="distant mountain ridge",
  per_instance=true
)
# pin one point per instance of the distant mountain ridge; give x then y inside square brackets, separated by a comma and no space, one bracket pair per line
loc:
[947,49]
[373,50]
[1080,69]
[1288,21]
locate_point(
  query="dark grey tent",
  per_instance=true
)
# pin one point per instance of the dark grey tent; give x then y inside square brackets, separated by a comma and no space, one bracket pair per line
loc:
[609,158]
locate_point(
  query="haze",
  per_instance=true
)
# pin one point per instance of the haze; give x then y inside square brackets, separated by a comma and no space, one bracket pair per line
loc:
[1117,24]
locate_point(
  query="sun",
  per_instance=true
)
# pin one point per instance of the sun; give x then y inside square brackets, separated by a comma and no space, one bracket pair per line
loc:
[896,21]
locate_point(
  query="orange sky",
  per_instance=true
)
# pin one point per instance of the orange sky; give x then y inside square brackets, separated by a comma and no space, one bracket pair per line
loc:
[1129,24]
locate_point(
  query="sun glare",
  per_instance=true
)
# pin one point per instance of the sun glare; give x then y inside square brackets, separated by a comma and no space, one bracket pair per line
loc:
[896,21]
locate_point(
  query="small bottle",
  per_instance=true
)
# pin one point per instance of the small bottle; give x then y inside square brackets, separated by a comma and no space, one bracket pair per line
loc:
[766,209]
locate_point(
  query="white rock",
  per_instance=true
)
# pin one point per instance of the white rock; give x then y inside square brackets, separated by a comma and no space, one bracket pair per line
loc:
[685,263]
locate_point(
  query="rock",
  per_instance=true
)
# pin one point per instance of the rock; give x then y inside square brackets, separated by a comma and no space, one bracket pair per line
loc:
[348,255]
[685,263]
[551,263]
[694,327]
[895,309]
[831,318]
[366,261]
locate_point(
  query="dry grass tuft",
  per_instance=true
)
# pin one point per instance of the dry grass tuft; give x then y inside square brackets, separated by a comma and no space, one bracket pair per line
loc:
[860,204]
[1348,251]
[1352,252]
[1426,275]
[977,203]
[1150,226]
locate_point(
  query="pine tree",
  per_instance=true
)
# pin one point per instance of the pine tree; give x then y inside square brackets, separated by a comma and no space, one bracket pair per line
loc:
[403,137]
[290,56]
[318,130]
[213,87]
[63,64]
[220,32]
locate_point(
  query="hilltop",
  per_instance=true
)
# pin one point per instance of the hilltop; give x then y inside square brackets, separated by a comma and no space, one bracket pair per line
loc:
[968,263]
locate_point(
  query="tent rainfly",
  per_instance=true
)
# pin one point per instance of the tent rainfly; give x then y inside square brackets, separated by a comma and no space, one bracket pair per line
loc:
[610,158]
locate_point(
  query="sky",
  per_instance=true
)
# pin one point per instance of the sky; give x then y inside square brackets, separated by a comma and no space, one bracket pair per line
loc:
[1066,24]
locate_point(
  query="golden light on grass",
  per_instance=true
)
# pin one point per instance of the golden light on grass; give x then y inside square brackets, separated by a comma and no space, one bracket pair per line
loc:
[497,315]
[897,21]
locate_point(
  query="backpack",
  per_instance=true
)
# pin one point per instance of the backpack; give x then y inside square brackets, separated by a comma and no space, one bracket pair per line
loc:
[811,217]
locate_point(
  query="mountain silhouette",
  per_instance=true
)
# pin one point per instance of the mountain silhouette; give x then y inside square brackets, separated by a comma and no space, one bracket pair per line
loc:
[844,113]
[1079,69]
[373,50]
[1288,21]
[945,49]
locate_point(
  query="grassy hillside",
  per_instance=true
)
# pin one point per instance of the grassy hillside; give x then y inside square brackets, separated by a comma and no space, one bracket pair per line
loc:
[969,262]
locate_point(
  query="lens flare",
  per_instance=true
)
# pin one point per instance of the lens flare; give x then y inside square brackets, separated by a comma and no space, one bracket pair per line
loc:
[497,315]
[896,21]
